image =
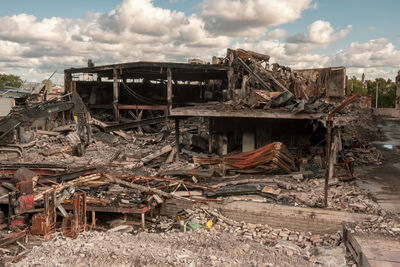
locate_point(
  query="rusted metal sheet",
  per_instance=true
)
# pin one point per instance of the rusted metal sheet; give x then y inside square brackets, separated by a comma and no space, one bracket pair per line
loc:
[272,157]
[11,238]
[76,222]
[26,203]
[44,223]
[25,187]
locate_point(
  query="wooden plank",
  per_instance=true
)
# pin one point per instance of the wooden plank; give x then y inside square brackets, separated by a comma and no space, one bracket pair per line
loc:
[43,132]
[156,154]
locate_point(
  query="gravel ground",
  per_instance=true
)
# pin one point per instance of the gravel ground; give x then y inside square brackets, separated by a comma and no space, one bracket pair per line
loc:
[195,248]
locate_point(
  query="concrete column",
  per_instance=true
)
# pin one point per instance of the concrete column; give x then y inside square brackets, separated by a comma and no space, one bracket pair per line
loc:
[248,141]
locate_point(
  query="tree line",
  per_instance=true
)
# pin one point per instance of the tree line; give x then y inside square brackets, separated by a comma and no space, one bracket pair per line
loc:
[386,91]
[10,80]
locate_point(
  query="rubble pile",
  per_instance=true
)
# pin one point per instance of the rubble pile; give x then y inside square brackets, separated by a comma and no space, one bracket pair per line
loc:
[358,137]
[197,248]
[281,87]
[299,191]
[119,154]
[204,218]
[386,225]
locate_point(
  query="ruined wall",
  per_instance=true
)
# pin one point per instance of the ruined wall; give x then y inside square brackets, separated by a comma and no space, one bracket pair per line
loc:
[332,80]
[277,216]
[387,112]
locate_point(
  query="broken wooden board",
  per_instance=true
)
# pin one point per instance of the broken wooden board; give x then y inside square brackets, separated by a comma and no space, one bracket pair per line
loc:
[156,154]
[51,133]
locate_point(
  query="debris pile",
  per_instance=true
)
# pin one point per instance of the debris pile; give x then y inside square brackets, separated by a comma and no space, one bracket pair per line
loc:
[358,137]
[198,248]
[386,225]
[203,218]
[291,90]
[201,236]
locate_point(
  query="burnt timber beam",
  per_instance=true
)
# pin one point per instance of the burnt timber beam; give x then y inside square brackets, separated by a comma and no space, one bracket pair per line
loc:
[65,177]
[67,81]
[134,124]
[178,149]
[145,107]
[251,72]
[169,89]
[115,94]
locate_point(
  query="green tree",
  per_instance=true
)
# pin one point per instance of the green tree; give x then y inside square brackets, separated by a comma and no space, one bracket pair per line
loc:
[386,92]
[10,80]
[356,86]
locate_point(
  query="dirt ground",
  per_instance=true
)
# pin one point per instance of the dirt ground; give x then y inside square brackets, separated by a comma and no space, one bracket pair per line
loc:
[195,248]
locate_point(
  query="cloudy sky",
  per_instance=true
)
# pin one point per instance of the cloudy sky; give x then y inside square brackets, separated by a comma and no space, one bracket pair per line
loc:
[38,37]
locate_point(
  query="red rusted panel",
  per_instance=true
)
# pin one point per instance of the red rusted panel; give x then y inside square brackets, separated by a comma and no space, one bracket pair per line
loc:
[25,187]
[26,203]
[40,225]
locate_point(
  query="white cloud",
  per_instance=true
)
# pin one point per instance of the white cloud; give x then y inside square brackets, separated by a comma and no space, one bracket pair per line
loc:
[375,58]
[372,28]
[374,53]
[249,17]
[279,53]
[278,34]
[137,30]
[321,33]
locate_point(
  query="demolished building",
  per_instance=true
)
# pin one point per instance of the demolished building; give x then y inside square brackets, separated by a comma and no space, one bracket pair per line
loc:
[249,118]
[245,102]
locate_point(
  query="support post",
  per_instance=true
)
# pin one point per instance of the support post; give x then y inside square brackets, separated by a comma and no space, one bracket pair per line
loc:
[376,95]
[178,149]
[93,219]
[231,83]
[328,153]
[115,95]
[398,91]
[143,221]
[169,89]
[67,81]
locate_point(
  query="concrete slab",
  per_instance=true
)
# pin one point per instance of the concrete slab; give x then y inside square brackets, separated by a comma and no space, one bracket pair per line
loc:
[373,250]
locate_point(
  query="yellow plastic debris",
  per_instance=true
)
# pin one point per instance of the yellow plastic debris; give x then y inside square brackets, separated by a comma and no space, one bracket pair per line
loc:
[209,224]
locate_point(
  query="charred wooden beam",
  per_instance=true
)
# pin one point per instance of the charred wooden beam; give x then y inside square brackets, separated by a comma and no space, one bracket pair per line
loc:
[134,124]
[115,94]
